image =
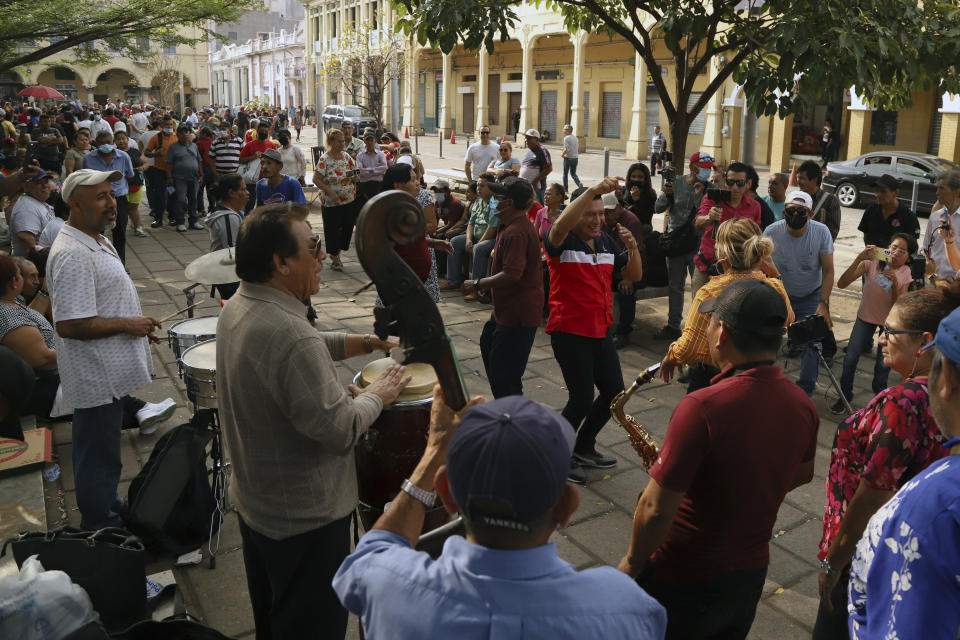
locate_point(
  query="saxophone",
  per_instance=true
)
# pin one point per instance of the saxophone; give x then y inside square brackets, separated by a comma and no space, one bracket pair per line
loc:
[640,438]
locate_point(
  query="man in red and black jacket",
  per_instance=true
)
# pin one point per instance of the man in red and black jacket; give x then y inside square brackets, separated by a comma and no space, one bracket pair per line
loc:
[582,259]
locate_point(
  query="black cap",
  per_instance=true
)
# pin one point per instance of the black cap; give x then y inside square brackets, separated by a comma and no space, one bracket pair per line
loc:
[749,305]
[519,190]
[888,181]
[16,383]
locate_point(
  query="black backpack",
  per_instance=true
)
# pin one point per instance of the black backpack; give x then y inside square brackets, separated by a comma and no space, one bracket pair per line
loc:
[170,503]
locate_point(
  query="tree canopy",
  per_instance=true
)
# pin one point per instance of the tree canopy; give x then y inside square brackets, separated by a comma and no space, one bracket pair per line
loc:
[32,30]
[786,54]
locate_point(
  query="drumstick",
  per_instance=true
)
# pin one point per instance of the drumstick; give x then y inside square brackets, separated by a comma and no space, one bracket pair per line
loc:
[176,313]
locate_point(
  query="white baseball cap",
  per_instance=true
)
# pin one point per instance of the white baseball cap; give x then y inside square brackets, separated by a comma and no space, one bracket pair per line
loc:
[610,201]
[85,178]
[801,198]
[532,133]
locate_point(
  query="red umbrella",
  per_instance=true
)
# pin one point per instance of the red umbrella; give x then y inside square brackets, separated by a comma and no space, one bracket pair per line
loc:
[39,91]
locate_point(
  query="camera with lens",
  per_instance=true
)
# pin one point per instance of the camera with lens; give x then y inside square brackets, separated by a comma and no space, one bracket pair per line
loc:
[813,328]
[668,173]
[718,195]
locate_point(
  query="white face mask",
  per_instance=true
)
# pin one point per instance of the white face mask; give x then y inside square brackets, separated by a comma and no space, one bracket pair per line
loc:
[440,197]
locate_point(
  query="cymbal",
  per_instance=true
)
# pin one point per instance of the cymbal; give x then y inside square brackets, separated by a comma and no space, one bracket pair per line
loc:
[216,267]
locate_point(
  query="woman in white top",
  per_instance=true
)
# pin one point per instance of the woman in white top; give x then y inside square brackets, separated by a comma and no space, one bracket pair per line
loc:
[505,162]
[294,164]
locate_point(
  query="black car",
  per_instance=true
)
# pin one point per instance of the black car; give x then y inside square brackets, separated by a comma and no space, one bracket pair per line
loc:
[852,180]
[334,115]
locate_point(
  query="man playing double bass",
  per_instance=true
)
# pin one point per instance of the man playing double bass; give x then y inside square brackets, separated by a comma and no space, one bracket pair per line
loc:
[290,427]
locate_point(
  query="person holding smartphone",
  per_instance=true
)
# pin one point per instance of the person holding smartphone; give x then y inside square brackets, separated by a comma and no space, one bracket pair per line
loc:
[940,238]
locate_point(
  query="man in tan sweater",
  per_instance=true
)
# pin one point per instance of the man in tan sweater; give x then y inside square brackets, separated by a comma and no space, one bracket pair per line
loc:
[290,426]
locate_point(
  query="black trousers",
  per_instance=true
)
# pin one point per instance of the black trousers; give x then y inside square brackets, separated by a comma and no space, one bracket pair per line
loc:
[505,351]
[119,233]
[289,582]
[719,609]
[587,363]
[338,227]
[832,625]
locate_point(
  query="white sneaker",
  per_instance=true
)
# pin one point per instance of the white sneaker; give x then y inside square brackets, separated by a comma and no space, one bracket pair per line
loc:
[181,228]
[153,414]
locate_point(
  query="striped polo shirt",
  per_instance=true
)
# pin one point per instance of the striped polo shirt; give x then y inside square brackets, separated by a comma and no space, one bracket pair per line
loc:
[581,284]
[225,153]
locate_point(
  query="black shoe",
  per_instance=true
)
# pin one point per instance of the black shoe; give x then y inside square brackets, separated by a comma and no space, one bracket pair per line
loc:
[838,408]
[668,333]
[684,377]
[172,223]
[594,460]
[576,475]
[156,224]
[620,340]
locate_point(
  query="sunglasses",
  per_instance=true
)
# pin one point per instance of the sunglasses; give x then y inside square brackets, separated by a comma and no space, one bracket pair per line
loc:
[886,331]
[484,133]
[504,149]
[315,246]
[794,211]
[739,183]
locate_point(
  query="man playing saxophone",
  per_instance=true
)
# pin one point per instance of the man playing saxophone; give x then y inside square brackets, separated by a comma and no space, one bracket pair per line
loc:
[732,452]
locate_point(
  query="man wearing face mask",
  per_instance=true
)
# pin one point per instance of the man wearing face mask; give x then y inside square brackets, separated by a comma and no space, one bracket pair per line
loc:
[107,158]
[712,214]
[99,124]
[450,211]
[157,149]
[804,257]
[253,150]
[225,151]
[682,198]
[184,174]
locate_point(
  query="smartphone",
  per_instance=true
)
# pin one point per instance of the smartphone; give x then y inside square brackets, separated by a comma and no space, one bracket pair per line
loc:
[882,255]
[718,195]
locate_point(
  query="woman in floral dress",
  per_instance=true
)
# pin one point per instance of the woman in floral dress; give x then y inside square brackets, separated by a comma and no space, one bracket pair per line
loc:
[336,176]
[881,447]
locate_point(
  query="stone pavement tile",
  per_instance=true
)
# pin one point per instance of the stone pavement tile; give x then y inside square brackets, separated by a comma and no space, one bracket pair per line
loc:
[786,568]
[219,597]
[788,517]
[797,603]
[803,540]
[546,392]
[606,536]
[623,488]
[612,434]
[591,505]
[62,431]
[808,498]
[770,624]
[569,551]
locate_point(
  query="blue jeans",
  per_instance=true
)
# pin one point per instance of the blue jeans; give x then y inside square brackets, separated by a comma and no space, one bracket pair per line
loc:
[860,338]
[156,192]
[810,363]
[481,256]
[184,200]
[570,167]
[97,464]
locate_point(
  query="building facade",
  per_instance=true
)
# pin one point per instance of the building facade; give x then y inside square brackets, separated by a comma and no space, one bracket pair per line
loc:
[121,78]
[599,85]
[268,68]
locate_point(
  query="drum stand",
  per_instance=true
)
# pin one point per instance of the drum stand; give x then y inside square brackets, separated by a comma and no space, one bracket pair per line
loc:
[191,296]
[218,483]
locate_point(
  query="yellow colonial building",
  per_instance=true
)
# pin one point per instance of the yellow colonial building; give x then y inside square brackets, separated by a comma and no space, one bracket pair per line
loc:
[599,85]
[120,78]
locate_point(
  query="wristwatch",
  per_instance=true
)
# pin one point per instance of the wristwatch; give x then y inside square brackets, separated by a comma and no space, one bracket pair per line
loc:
[476,284]
[368,342]
[427,498]
[825,565]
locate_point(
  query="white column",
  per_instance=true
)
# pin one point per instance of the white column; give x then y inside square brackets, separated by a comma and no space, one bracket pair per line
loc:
[483,108]
[637,142]
[410,92]
[446,100]
[579,41]
[713,123]
[527,84]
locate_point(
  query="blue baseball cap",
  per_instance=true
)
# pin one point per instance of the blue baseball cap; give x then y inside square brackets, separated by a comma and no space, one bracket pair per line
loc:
[508,462]
[948,337]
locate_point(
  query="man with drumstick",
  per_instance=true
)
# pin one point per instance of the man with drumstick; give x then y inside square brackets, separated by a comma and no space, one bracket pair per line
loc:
[290,426]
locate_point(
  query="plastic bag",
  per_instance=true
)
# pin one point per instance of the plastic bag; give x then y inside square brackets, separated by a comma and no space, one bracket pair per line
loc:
[42,605]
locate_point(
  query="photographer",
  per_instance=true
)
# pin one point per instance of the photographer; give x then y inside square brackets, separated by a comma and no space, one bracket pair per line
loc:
[804,257]
[718,206]
[939,238]
[887,277]
[681,200]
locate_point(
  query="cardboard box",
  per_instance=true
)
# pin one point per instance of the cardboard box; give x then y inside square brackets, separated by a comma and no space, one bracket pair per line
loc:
[35,450]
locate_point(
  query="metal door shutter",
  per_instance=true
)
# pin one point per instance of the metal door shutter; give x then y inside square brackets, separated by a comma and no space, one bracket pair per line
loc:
[610,114]
[493,99]
[422,102]
[934,146]
[653,110]
[548,113]
[469,114]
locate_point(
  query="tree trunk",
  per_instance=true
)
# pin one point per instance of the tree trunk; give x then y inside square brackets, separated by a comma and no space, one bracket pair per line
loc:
[679,129]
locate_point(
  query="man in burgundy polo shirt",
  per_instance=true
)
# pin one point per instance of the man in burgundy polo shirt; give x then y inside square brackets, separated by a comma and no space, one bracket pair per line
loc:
[733,450]
[712,213]
[517,288]
[615,214]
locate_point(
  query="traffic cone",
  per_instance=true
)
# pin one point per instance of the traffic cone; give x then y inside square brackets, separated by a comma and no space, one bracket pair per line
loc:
[793,176]
[406,132]
[453,137]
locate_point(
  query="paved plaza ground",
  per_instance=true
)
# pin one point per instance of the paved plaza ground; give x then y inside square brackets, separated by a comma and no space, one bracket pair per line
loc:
[600,530]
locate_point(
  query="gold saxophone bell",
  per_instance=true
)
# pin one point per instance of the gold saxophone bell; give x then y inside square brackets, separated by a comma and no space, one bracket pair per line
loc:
[646,447]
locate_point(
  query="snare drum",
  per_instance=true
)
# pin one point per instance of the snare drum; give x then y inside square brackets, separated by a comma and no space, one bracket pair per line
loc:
[394,444]
[189,332]
[199,366]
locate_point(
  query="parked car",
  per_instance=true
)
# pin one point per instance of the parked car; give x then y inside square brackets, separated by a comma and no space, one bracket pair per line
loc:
[852,180]
[334,115]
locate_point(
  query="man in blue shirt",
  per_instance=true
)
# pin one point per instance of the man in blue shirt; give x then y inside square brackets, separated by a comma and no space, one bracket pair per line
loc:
[905,577]
[106,157]
[274,186]
[506,465]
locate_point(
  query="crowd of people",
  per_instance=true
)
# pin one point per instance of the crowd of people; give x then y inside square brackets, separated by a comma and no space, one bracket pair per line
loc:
[698,552]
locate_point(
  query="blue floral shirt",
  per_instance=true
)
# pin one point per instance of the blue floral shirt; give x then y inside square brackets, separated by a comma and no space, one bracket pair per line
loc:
[905,577]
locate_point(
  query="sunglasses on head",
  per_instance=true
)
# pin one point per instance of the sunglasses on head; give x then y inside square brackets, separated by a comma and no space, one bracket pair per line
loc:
[739,183]
[795,211]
